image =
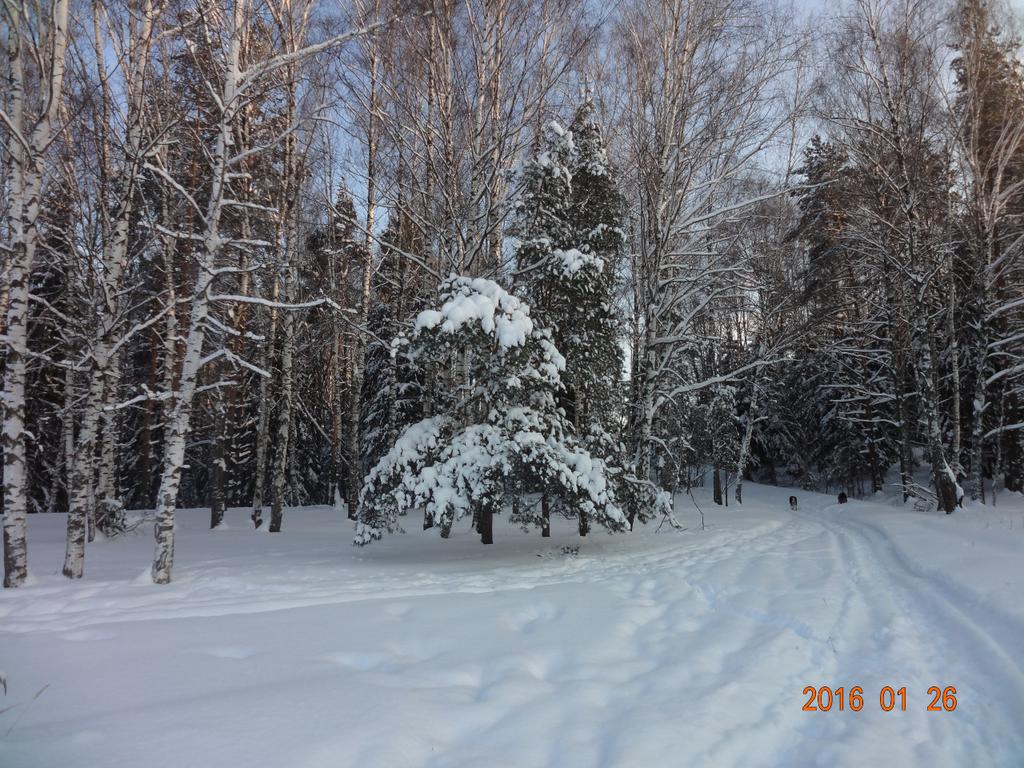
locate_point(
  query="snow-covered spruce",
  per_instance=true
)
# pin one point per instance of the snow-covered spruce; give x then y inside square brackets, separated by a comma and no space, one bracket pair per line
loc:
[505,439]
[568,217]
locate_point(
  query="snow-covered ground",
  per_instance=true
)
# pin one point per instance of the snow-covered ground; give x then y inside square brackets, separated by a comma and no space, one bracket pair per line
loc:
[652,650]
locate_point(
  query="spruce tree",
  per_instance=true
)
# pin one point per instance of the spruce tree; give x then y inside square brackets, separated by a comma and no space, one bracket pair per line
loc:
[569,225]
[506,437]
[570,242]
[392,394]
[594,357]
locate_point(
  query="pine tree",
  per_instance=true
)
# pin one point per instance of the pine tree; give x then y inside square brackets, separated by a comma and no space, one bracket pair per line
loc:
[507,437]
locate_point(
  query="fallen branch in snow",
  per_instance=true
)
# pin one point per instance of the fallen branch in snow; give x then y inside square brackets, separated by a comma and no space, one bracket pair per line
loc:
[669,518]
[689,492]
[26,709]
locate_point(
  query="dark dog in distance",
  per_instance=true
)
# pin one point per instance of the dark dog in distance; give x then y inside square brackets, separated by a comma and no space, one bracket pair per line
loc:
[792,503]
[842,498]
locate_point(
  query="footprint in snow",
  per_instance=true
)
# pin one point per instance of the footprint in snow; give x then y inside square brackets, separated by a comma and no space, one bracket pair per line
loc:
[83,635]
[415,649]
[230,652]
[359,660]
[527,618]
[399,611]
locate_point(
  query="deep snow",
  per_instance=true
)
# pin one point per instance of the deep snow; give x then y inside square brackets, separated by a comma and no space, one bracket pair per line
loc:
[647,649]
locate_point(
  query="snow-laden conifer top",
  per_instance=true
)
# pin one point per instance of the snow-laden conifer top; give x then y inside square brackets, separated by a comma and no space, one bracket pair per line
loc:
[551,160]
[476,301]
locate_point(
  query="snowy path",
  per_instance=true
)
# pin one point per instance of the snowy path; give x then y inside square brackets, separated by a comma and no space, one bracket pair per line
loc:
[649,650]
[899,627]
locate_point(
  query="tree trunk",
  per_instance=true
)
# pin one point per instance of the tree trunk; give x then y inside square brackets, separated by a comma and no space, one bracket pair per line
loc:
[24,194]
[177,432]
[906,412]
[355,470]
[942,474]
[545,517]
[954,375]
[1013,451]
[337,414]
[353,474]
[14,437]
[748,434]
[263,418]
[67,431]
[218,459]
[82,484]
[109,508]
[284,414]
[181,413]
[718,485]
[486,524]
[979,401]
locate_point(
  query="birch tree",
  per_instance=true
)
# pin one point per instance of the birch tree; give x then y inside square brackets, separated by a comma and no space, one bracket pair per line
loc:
[989,125]
[120,176]
[704,106]
[888,103]
[235,85]
[35,40]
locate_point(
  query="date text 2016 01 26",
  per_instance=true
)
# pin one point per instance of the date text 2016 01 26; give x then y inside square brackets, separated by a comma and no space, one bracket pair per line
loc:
[825,699]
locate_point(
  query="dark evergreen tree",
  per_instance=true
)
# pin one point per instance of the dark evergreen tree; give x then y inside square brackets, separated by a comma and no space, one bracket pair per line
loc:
[591,338]
[724,432]
[506,437]
[568,221]
[392,389]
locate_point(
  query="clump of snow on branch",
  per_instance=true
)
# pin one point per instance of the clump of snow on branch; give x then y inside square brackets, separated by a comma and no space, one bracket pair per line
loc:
[571,261]
[476,301]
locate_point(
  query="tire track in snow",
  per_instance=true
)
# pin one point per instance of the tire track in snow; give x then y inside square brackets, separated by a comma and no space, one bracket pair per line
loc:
[787,568]
[934,640]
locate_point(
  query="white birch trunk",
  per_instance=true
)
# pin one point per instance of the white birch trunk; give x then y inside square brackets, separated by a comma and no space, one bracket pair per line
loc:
[26,151]
[748,434]
[108,510]
[355,473]
[67,432]
[103,371]
[82,496]
[181,412]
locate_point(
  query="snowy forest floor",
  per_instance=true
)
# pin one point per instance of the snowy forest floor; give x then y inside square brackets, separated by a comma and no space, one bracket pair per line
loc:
[652,650]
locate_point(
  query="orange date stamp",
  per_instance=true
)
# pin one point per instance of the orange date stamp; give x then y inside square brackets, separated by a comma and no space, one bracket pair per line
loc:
[825,699]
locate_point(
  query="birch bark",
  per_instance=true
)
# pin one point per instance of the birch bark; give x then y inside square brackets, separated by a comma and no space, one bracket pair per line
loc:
[29,137]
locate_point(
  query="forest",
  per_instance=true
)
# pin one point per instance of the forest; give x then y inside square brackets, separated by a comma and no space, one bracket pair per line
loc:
[428,260]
